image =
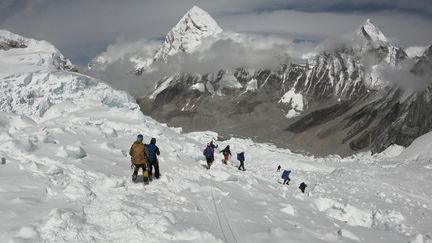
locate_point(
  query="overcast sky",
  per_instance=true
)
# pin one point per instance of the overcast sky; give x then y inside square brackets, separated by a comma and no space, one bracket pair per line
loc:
[83,28]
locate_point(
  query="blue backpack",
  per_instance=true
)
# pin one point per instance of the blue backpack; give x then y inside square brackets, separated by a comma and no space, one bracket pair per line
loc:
[240,156]
[151,150]
[208,152]
[285,174]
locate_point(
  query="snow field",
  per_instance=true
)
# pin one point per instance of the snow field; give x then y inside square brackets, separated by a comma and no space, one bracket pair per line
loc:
[90,198]
[66,138]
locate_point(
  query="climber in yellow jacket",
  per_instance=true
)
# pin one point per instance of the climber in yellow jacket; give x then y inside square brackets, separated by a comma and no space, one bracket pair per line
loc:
[139,158]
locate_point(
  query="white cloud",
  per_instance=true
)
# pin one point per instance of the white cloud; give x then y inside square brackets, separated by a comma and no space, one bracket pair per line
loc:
[135,51]
[81,28]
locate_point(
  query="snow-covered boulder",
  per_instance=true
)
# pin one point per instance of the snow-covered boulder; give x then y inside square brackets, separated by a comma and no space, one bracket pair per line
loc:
[71,152]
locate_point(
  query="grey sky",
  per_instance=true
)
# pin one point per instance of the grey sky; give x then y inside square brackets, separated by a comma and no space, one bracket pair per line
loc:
[83,28]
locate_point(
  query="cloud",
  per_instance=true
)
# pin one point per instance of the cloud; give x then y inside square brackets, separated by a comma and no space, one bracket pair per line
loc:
[82,28]
[404,29]
[419,7]
[138,50]
[120,75]
[116,65]
[405,79]
[234,51]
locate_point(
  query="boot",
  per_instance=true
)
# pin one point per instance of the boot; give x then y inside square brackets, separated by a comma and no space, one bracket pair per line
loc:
[146,176]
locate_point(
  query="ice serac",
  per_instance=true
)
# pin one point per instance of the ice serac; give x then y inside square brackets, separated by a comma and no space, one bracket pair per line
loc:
[37,52]
[195,25]
[35,76]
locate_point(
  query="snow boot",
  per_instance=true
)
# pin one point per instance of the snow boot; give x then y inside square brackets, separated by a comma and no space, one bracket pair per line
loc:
[134,178]
[146,177]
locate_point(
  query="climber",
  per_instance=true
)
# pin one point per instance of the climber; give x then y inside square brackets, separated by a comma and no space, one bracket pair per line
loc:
[139,158]
[241,158]
[209,153]
[302,187]
[226,153]
[153,152]
[285,176]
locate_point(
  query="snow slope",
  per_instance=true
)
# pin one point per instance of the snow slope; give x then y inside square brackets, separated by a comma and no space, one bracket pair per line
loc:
[67,179]
[33,53]
[36,76]
[295,101]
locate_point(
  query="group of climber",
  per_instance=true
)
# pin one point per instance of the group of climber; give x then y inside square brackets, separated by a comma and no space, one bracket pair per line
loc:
[144,156]
[285,176]
[226,152]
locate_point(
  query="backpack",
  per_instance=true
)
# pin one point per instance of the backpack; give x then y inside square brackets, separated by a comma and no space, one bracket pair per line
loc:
[285,174]
[139,155]
[151,152]
[208,152]
[240,156]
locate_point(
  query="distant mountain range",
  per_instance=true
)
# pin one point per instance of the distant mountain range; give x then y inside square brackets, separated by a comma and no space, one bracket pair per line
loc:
[354,96]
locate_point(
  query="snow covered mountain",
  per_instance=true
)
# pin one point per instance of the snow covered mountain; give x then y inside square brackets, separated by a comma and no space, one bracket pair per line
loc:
[195,25]
[415,51]
[335,82]
[35,76]
[187,35]
[45,54]
[338,81]
[67,176]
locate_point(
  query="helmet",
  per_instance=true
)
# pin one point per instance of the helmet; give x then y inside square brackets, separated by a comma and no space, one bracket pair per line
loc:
[140,137]
[153,141]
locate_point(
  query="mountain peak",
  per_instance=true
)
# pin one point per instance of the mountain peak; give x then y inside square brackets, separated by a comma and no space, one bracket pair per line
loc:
[196,9]
[188,33]
[371,33]
[200,18]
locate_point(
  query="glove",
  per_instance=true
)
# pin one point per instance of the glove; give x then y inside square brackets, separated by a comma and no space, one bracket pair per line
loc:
[132,166]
